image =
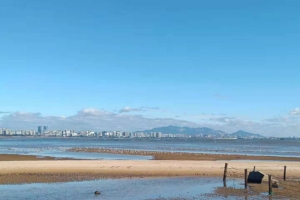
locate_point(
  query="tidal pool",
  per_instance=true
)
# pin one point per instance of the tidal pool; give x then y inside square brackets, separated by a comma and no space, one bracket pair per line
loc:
[113,189]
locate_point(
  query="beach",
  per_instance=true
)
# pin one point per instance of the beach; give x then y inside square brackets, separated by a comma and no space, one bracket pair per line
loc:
[75,170]
[151,165]
[16,168]
[24,169]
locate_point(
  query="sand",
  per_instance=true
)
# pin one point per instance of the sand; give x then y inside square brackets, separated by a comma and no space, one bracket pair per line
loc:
[288,190]
[19,169]
[160,155]
[17,157]
[76,170]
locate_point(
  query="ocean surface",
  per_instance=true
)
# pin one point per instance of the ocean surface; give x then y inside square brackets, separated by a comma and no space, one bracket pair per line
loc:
[57,146]
[123,189]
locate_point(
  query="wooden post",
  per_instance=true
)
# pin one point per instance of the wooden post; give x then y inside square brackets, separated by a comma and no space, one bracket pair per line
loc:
[224,184]
[246,177]
[225,172]
[270,185]
[284,173]
[254,168]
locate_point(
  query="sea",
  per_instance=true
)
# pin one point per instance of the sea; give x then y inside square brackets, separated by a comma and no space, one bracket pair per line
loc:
[57,147]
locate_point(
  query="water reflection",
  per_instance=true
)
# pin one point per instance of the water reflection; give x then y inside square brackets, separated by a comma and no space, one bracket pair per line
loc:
[125,189]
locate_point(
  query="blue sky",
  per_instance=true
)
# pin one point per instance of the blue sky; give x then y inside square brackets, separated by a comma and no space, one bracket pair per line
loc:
[197,62]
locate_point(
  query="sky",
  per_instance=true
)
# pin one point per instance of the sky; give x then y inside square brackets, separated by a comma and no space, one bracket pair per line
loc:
[134,65]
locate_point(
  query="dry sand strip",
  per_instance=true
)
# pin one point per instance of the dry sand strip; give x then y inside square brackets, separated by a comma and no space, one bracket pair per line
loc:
[74,170]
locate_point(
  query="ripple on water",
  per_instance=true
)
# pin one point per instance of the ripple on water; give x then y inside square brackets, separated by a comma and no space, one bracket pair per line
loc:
[125,189]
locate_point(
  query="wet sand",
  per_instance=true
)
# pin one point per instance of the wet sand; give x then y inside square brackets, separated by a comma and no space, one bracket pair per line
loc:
[287,190]
[159,155]
[19,169]
[17,157]
[12,172]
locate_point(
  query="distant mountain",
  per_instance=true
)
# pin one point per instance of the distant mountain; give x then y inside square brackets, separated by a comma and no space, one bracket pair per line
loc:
[186,130]
[241,133]
[201,131]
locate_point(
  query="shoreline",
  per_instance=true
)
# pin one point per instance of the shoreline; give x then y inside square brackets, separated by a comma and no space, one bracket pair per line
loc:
[27,169]
[49,171]
[162,155]
[20,157]
[23,169]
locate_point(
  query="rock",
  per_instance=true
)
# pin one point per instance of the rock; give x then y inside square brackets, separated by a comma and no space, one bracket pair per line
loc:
[97,192]
[255,177]
[275,183]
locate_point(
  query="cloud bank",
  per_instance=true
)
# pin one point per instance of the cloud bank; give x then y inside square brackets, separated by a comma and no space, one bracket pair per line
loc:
[295,111]
[89,119]
[288,125]
[4,112]
[126,120]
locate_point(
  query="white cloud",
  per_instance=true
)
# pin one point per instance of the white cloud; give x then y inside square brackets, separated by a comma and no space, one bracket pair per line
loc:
[279,126]
[89,119]
[99,120]
[295,111]
[128,109]
[224,119]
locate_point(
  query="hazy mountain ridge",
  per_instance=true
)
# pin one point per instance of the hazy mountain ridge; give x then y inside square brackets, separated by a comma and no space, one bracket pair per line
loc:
[199,130]
[242,133]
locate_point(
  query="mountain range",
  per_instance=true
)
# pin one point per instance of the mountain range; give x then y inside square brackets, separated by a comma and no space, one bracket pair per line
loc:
[241,133]
[200,131]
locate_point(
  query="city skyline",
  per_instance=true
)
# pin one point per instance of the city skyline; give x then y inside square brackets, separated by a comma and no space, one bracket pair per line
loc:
[159,132]
[138,65]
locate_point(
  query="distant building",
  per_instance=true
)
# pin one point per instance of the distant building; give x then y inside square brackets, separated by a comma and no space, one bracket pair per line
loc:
[40,130]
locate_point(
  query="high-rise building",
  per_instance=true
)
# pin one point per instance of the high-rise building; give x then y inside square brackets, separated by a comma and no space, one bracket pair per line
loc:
[40,130]
[158,134]
[45,128]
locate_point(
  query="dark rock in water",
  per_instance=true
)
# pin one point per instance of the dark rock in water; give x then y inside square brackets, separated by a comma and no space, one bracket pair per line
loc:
[255,177]
[97,192]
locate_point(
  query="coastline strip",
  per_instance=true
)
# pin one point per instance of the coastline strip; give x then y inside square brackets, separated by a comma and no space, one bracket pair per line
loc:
[13,172]
[163,155]
[19,157]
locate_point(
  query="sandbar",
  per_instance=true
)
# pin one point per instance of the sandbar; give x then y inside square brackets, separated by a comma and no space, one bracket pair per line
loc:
[163,155]
[13,172]
[18,157]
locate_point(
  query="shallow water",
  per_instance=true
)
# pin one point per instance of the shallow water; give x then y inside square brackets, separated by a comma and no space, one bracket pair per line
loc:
[57,146]
[125,189]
